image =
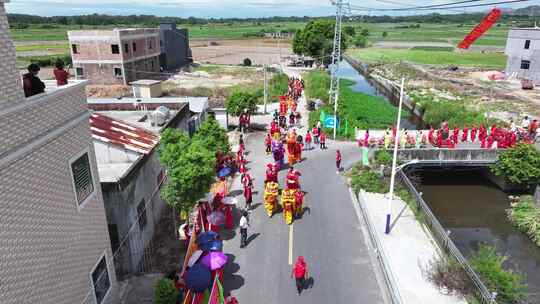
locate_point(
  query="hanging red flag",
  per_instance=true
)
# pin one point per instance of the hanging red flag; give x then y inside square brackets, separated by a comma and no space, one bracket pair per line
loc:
[481,28]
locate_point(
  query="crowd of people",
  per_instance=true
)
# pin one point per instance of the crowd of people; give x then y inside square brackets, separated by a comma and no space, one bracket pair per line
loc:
[493,137]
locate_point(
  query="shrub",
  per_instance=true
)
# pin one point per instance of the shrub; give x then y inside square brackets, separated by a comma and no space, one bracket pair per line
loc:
[519,165]
[241,101]
[383,158]
[449,275]
[247,62]
[384,34]
[48,60]
[526,217]
[369,181]
[489,265]
[360,41]
[317,85]
[165,292]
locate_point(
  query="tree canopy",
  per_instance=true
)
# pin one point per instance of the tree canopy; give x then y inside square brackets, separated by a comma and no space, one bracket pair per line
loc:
[211,136]
[173,142]
[241,101]
[519,165]
[190,178]
[317,40]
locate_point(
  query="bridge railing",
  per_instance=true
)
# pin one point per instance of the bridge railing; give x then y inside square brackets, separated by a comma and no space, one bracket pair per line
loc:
[445,242]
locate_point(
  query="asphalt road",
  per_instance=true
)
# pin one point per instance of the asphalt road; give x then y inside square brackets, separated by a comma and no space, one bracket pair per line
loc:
[328,235]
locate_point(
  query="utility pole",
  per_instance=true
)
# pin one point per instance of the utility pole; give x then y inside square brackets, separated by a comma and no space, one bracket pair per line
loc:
[336,57]
[265,87]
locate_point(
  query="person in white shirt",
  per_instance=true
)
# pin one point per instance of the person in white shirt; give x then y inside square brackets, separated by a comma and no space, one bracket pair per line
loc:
[244,224]
[513,127]
[525,123]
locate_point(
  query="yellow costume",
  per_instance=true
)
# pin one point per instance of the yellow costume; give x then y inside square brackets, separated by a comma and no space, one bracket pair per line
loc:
[270,197]
[291,144]
[288,202]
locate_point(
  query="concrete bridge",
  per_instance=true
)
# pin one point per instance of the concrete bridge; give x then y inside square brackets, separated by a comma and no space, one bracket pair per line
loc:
[437,155]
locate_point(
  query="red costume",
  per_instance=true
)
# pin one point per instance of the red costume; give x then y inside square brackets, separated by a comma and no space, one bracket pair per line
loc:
[465,134]
[439,139]
[455,135]
[473,134]
[430,136]
[293,181]
[308,138]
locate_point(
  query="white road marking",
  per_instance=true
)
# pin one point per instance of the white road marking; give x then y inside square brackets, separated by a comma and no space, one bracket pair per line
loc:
[291,233]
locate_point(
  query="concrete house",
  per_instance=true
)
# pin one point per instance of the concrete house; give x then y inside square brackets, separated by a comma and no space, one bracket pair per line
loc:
[54,245]
[175,51]
[523,51]
[126,135]
[118,56]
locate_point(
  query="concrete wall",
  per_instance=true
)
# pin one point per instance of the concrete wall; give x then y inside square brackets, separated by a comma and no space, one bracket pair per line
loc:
[175,48]
[449,154]
[49,243]
[10,86]
[121,202]
[147,68]
[516,52]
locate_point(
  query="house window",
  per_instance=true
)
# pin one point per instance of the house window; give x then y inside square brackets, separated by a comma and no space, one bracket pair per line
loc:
[525,64]
[79,72]
[74,49]
[101,282]
[126,47]
[141,215]
[115,49]
[118,72]
[527,44]
[134,47]
[82,178]
[152,65]
[151,44]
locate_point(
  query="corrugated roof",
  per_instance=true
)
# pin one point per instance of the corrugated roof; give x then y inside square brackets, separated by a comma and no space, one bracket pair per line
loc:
[122,134]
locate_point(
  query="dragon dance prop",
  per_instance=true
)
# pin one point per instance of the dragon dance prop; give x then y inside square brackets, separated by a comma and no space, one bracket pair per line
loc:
[481,28]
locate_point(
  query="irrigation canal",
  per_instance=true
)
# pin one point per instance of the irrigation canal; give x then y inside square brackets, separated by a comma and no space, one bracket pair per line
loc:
[362,85]
[474,211]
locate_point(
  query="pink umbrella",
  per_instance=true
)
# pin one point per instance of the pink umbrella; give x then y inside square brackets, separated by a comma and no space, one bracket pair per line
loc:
[216,218]
[214,260]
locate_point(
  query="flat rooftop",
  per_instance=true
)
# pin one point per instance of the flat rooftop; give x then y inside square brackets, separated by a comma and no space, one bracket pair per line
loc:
[134,118]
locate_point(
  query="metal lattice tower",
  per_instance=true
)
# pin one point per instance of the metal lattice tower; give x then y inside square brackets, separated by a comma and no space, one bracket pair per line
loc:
[336,56]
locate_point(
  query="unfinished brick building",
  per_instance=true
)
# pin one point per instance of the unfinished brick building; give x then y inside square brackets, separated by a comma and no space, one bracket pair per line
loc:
[117,56]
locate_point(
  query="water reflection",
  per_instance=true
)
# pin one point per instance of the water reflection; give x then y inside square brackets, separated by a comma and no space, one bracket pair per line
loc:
[474,210]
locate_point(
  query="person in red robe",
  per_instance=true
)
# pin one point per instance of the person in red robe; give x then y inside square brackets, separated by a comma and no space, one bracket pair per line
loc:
[298,151]
[513,139]
[366,138]
[439,139]
[455,135]
[430,136]
[473,133]
[450,144]
[483,143]
[465,134]
[493,129]
[338,160]
[308,140]
[293,180]
[268,143]
[248,195]
[299,202]
[271,174]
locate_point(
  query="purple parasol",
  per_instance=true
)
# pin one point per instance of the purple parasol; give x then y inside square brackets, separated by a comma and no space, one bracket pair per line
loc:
[214,260]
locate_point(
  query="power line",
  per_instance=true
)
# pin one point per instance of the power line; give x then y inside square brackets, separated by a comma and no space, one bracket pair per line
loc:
[446,6]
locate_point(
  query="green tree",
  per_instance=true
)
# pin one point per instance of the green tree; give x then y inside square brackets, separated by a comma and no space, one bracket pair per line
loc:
[173,142]
[165,292]
[365,33]
[384,34]
[316,40]
[212,136]
[519,165]
[241,101]
[190,178]
[278,85]
[349,30]
[360,41]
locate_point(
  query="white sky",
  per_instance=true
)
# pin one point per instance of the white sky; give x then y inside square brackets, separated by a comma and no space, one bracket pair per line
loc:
[200,8]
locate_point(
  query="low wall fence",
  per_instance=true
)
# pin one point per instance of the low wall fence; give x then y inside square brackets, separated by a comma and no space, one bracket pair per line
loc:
[444,241]
[382,259]
[445,155]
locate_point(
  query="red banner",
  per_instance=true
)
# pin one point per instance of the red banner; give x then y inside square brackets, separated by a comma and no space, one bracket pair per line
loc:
[481,28]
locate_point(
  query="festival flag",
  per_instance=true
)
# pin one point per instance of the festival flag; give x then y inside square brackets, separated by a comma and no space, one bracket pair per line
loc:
[192,247]
[481,28]
[199,298]
[188,298]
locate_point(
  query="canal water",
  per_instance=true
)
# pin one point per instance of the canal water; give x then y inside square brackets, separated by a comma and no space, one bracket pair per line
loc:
[362,85]
[474,211]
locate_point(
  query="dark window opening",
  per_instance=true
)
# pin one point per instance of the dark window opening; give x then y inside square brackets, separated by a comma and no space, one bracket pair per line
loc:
[141,213]
[118,72]
[126,48]
[527,44]
[115,238]
[150,44]
[82,178]
[79,72]
[134,47]
[74,49]
[115,49]
[525,64]
[100,280]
